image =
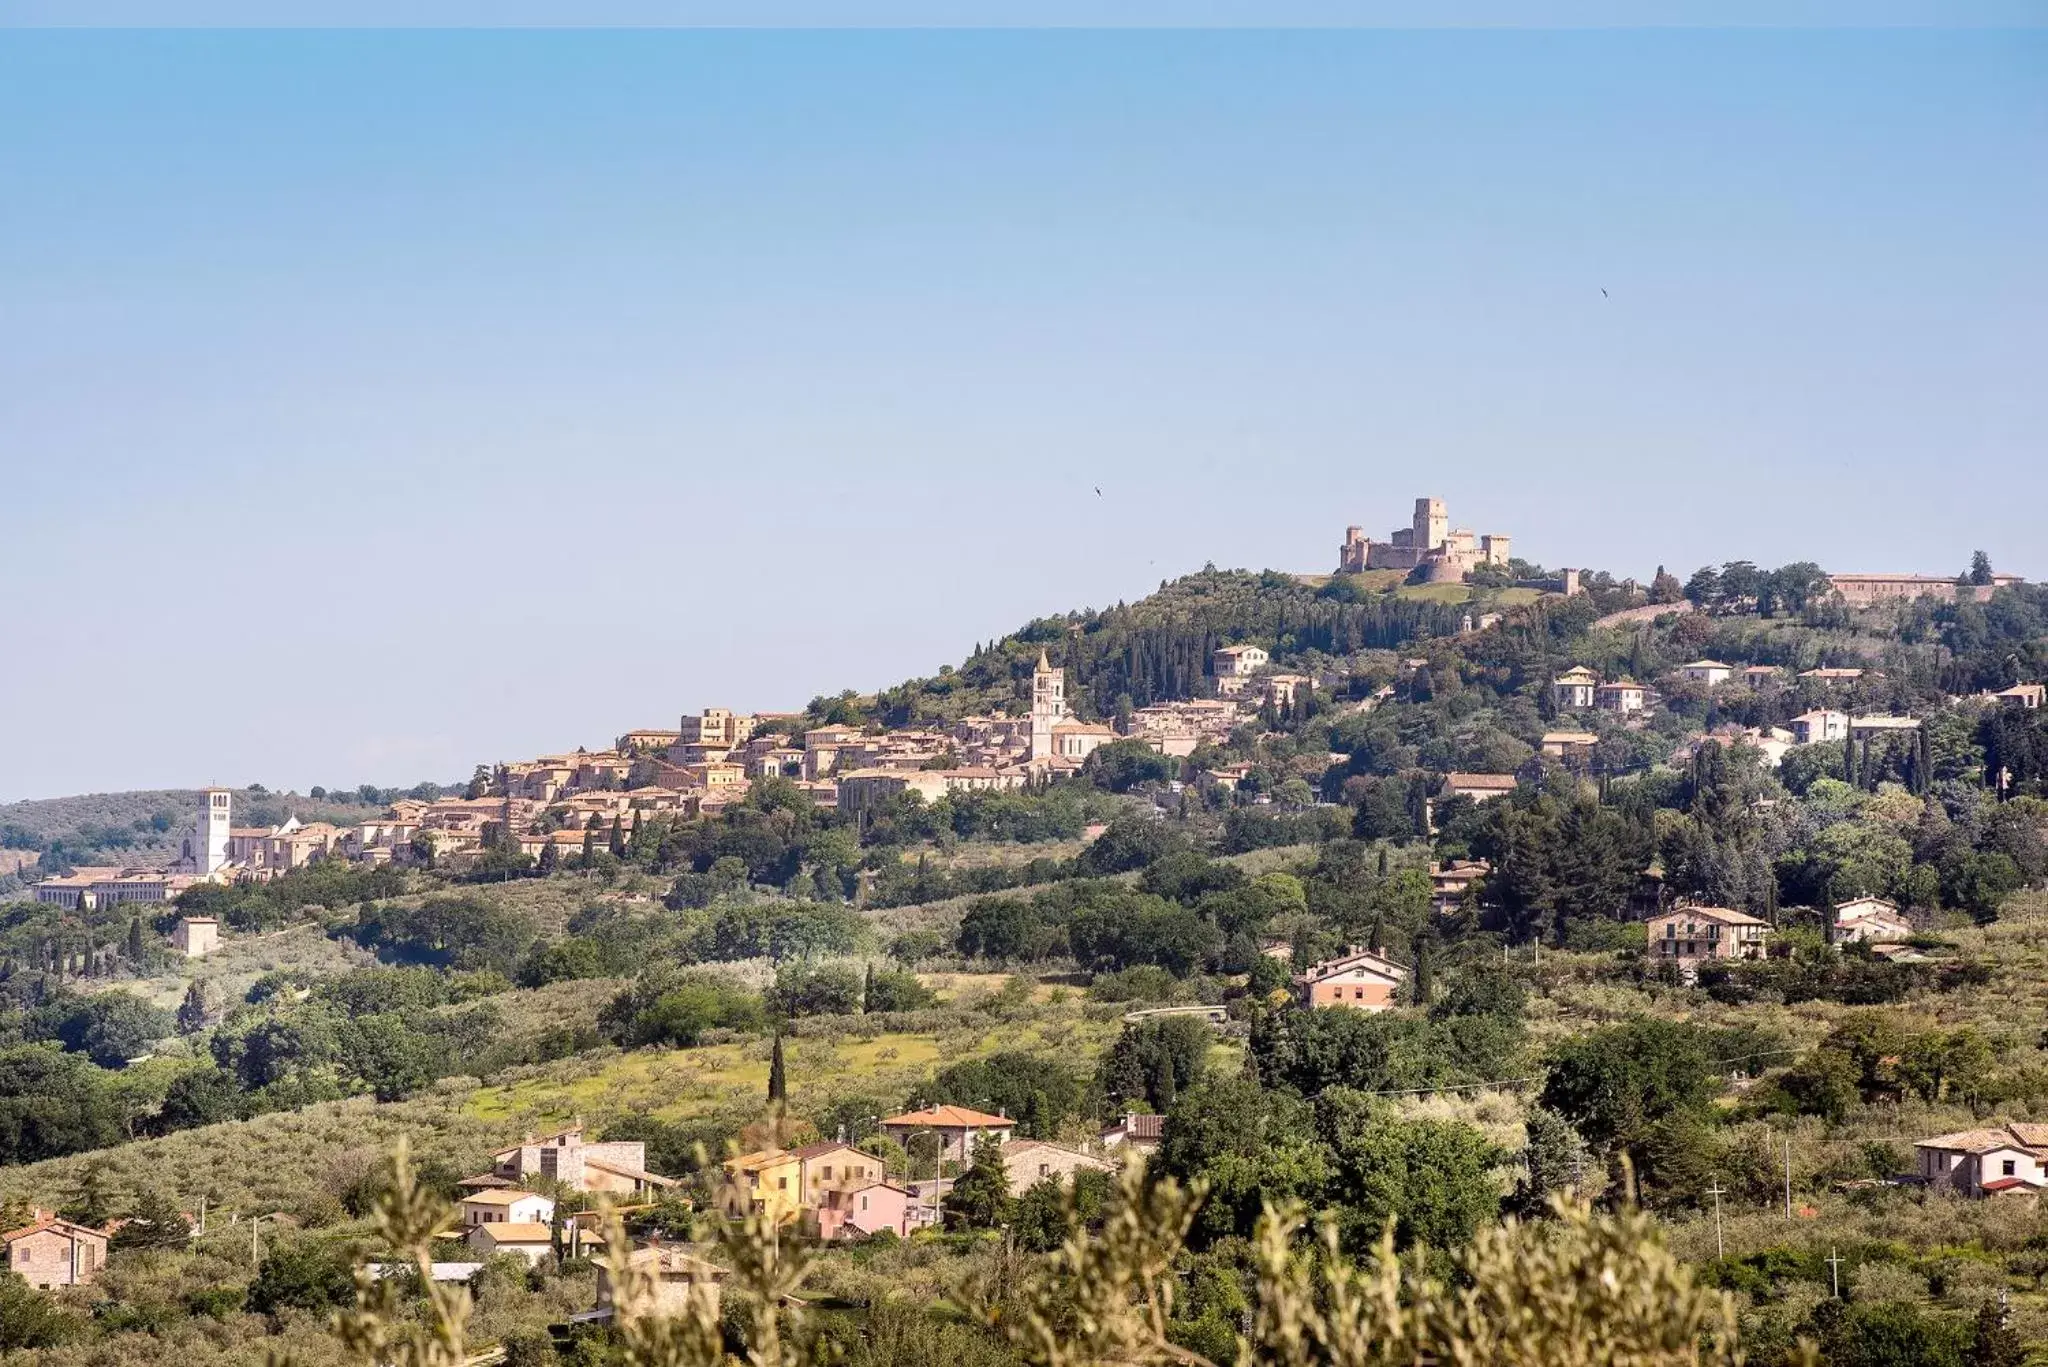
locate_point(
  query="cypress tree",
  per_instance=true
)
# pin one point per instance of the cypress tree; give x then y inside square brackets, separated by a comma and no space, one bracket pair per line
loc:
[778,1080]
[1425,965]
[135,940]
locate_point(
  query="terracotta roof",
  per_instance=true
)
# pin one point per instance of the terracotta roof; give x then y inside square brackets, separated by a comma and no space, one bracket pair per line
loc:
[951,1118]
[2014,1135]
[819,1150]
[48,1221]
[1727,916]
[1141,1127]
[517,1232]
[505,1197]
[760,1158]
[622,1170]
[1458,780]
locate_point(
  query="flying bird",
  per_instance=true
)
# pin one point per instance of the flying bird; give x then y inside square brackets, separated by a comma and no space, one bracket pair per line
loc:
[1098,491]
[1603,291]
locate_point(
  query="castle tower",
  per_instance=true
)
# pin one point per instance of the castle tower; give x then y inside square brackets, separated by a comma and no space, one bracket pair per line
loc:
[1432,524]
[1048,705]
[216,816]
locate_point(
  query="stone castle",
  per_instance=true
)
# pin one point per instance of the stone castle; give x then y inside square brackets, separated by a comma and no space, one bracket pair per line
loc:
[1447,554]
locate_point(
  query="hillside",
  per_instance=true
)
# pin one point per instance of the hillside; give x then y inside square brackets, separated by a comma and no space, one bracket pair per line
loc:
[984,948]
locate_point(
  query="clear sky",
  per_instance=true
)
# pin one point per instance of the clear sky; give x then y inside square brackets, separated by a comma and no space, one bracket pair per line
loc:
[376,404]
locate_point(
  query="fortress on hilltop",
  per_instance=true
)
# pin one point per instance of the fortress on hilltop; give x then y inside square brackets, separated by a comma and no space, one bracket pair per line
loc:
[1450,554]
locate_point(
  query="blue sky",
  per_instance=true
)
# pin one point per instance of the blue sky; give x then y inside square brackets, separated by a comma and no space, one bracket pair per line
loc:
[372,404]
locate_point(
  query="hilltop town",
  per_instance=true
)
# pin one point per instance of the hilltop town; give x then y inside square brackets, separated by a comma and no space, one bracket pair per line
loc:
[1541,882]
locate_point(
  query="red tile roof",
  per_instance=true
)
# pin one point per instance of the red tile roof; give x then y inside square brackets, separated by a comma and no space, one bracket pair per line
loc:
[952,1118]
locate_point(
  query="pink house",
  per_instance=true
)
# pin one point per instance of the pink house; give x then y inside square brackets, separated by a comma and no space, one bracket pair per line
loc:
[853,1212]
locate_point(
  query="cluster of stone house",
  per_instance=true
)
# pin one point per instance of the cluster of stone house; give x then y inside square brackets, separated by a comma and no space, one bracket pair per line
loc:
[1579,689]
[1687,935]
[498,1214]
[837,1190]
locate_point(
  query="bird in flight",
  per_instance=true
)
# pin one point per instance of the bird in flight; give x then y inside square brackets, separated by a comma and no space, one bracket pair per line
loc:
[1098,491]
[1603,291]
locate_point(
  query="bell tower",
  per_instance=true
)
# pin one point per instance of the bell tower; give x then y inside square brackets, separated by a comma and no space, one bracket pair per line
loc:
[1048,705]
[216,817]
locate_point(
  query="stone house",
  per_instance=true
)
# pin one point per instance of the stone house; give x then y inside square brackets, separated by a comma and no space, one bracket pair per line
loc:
[767,1180]
[959,1129]
[1819,726]
[1690,933]
[1027,1162]
[1141,1133]
[1237,660]
[1870,920]
[1712,673]
[1573,747]
[618,1167]
[1448,883]
[506,1205]
[196,936]
[1985,1162]
[1479,787]
[680,1278]
[1359,980]
[1623,697]
[1573,690]
[50,1252]
[524,1239]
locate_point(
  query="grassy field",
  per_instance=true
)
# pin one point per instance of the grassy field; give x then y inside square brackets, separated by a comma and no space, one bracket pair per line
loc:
[1435,593]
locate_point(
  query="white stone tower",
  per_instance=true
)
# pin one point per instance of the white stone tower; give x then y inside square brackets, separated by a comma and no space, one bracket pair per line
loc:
[216,816]
[1432,524]
[1048,705]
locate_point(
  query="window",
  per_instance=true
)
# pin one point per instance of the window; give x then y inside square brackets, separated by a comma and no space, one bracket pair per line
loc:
[828,1172]
[782,1184]
[2008,1167]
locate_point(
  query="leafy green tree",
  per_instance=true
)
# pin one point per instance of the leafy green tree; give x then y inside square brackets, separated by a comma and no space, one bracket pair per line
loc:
[896,990]
[1252,1146]
[1553,1161]
[1125,764]
[980,1197]
[814,990]
[203,1096]
[1152,1062]
[306,1275]
[155,1222]
[1980,568]
[30,1318]
[677,1008]
[1993,1340]
[1665,588]
[1612,1084]
[53,1104]
[1431,1179]
[196,1011]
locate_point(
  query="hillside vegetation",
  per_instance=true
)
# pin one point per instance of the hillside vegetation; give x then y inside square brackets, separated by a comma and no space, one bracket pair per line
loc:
[782,972]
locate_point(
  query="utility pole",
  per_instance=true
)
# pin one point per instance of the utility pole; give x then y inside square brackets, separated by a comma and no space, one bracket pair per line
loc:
[1715,1191]
[1834,1262]
[202,1216]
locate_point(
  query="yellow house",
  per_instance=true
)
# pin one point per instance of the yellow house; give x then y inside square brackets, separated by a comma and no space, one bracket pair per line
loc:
[769,1180]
